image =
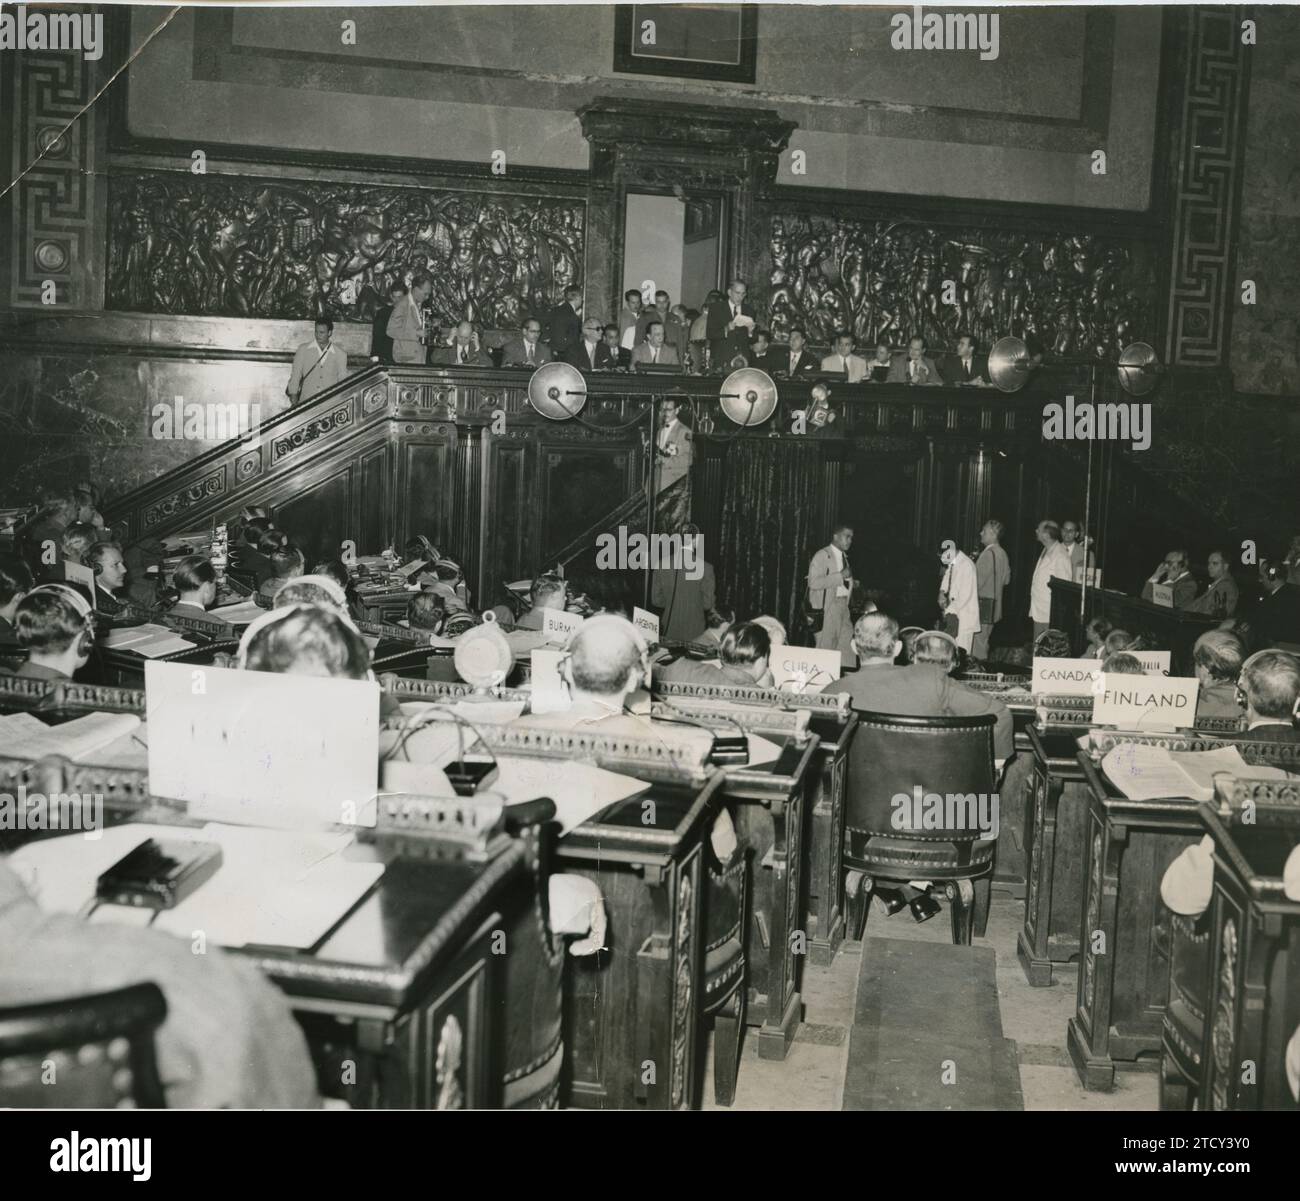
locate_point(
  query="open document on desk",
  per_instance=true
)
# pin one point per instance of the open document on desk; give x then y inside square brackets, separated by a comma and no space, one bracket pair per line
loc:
[275,888]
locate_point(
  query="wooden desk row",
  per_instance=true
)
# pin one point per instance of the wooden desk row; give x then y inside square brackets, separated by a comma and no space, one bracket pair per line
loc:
[1093,893]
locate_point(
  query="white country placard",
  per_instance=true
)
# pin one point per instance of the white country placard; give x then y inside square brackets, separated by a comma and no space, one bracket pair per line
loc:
[804,668]
[1064,677]
[647,623]
[559,625]
[1157,661]
[1162,594]
[1145,702]
[549,693]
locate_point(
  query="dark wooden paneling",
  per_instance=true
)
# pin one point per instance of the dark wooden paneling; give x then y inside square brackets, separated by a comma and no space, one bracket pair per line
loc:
[425,488]
[318,518]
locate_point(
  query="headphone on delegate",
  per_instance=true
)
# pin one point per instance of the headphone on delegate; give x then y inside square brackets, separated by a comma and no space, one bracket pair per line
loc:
[86,640]
[1240,692]
[276,616]
[613,621]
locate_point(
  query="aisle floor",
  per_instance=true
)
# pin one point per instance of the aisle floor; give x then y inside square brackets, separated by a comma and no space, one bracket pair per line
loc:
[812,1074]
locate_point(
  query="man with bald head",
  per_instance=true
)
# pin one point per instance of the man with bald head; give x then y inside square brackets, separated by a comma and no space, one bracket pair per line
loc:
[463,350]
[917,690]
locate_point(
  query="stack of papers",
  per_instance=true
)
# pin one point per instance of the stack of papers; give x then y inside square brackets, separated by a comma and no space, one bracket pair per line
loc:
[241,613]
[274,888]
[27,737]
[1145,773]
[148,640]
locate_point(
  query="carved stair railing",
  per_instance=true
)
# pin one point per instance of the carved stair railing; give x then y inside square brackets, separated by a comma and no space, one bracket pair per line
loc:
[211,484]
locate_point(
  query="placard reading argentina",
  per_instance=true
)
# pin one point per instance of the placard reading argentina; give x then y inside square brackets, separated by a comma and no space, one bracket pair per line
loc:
[1145,702]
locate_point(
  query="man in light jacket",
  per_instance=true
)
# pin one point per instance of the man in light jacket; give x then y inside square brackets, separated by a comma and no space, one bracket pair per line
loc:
[992,575]
[959,595]
[830,585]
[1053,562]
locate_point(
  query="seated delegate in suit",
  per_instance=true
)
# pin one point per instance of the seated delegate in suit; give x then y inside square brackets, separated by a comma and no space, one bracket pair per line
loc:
[743,656]
[759,349]
[55,625]
[1218,656]
[917,690]
[406,325]
[881,364]
[106,561]
[1275,617]
[528,350]
[610,336]
[967,366]
[729,325]
[1269,688]
[562,328]
[654,350]
[590,352]
[547,592]
[843,359]
[676,334]
[793,360]
[1175,573]
[229,1040]
[915,367]
[463,349]
[196,580]
[1220,598]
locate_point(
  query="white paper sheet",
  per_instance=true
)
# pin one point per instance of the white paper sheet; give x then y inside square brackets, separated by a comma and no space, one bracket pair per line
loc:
[77,740]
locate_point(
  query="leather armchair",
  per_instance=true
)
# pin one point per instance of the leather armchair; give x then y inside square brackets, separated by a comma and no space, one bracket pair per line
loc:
[890,759]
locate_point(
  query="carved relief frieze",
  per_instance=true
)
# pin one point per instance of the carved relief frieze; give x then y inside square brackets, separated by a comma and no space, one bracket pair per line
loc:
[238,247]
[891,279]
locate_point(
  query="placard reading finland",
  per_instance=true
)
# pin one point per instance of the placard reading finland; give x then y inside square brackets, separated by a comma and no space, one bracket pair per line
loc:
[559,625]
[1064,677]
[647,623]
[1145,702]
[805,667]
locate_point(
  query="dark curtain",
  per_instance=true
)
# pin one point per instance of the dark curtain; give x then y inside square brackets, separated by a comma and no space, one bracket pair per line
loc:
[771,526]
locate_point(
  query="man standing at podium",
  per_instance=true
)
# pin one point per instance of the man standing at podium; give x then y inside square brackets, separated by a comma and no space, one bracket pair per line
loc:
[830,585]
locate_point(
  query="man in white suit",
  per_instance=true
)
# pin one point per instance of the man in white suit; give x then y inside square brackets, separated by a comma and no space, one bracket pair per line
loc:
[959,595]
[1054,562]
[830,585]
[843,359]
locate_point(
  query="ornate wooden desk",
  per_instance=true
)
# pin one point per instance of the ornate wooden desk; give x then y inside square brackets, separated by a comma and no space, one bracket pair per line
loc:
[1175,629]
[1054,892]
[1124,934]
[407,986]
[1254,986]
[834,723]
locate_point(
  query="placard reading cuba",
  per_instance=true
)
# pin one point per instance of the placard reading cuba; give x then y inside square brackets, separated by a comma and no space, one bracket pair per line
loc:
[1145,702]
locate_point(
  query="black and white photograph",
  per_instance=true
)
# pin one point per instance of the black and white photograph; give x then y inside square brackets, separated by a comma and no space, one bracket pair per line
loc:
[707,557]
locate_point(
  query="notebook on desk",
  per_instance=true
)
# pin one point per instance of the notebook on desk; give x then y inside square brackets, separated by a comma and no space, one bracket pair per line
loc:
[261,748]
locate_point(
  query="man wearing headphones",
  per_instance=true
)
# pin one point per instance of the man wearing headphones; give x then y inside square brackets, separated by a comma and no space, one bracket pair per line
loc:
[917,690]
[1269,690]
[56,626]
[1275,617]
[105,560]
[743,656]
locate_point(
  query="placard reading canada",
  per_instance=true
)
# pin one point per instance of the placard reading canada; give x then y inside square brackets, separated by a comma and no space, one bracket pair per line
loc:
[1145,702]
[1064,677]
[804,668]
[647,623]
[559,625]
